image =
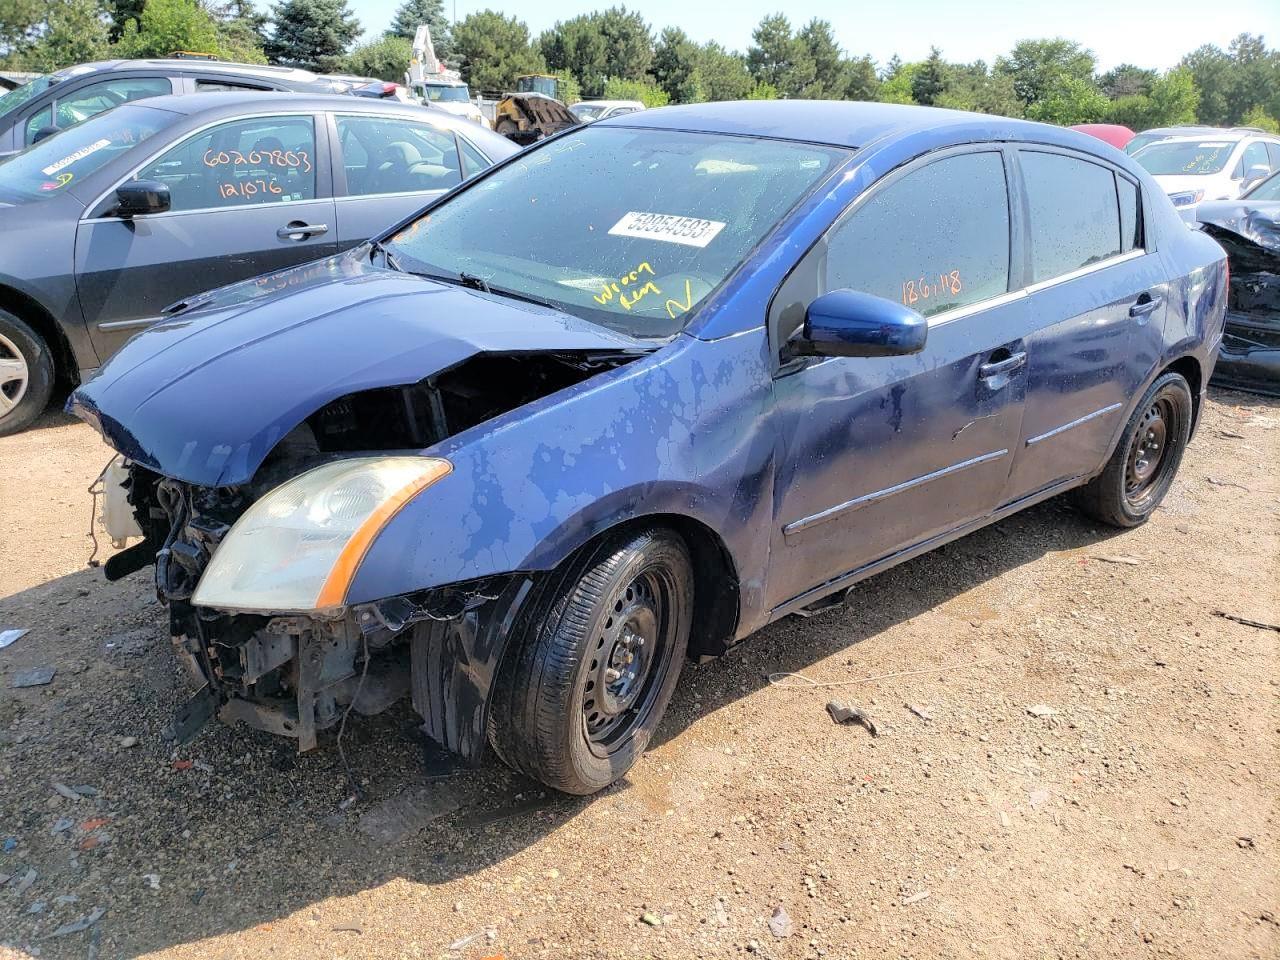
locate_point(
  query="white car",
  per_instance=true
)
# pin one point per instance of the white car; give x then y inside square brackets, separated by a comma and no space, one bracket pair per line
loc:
[1210,166]
[588,111]
[451,96]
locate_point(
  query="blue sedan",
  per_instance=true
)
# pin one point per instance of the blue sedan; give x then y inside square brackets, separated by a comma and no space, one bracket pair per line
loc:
[629,396]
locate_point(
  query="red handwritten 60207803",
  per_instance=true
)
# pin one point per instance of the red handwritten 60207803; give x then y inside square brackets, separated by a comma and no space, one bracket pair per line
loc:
[288,159]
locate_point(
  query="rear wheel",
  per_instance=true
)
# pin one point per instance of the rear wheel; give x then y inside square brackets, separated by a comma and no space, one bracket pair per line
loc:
[26,374]
[1141,470]
[577,702]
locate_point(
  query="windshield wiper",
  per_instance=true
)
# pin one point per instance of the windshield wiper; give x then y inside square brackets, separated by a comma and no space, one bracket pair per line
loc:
[473,282]
[389,258]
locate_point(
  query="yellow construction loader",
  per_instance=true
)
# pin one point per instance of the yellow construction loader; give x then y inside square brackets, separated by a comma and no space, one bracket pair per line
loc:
[535,110]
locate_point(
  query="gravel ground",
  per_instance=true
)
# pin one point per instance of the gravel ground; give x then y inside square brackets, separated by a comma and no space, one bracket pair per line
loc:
[1090,769]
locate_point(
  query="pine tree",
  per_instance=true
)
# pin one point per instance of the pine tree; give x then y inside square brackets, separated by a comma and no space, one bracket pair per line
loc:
[314,34]
[431,12]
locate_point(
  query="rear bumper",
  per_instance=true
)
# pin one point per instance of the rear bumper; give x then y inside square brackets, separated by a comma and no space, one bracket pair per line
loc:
[1249,358]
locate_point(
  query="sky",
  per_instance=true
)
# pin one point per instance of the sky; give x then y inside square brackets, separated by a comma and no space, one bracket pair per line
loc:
[1149,33]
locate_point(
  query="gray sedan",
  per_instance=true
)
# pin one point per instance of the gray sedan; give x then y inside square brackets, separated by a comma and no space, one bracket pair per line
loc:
[113,220]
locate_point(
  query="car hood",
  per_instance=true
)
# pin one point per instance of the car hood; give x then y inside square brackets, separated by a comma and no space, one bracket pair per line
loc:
[1171,183]
[204,396]
[1257,221]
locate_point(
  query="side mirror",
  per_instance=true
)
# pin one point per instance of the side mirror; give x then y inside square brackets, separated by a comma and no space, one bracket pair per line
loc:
[1255,173]
[847,323]
[44,133]
[137,197]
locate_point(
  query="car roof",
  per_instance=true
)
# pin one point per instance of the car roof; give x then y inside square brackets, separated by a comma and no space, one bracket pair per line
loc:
[263,70]
[847,123]
[608,103]
[1218,136]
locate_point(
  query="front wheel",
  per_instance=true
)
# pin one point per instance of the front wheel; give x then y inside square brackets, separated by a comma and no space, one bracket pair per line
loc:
[26,374]
[1141,470]
[578,700]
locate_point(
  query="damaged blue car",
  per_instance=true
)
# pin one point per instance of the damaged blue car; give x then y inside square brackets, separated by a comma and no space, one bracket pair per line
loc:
[635,393]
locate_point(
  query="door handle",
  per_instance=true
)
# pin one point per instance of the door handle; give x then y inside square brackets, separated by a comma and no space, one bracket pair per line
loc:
[297,230]
[1144,308]
[997,367]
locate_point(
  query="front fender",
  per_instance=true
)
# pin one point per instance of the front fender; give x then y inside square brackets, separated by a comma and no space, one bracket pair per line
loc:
[684,431]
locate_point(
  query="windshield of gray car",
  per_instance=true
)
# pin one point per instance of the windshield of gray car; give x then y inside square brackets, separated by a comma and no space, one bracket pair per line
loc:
[1268,189]
[448,94]
[632,229]
[69,157]
[16,98]
[1189,158]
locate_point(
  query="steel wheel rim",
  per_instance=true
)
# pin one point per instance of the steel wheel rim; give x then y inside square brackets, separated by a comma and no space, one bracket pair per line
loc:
[626,660]
[1150,449]
[15,376]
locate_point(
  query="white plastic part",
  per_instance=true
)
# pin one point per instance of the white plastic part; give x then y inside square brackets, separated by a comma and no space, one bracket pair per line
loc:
[117,511]
[310,534]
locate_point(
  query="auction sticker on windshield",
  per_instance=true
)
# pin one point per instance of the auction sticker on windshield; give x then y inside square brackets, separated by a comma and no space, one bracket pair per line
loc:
[80,154]
[689,231]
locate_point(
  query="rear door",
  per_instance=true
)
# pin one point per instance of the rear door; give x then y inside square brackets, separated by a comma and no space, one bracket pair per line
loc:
[249,196]
[1097,296]
[387,168]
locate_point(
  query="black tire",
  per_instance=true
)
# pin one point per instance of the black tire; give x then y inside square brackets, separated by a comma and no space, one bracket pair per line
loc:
[556,715]
[19,342]
[1141,470]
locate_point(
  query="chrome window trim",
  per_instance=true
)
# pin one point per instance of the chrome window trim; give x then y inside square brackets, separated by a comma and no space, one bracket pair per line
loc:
[1085,270]
[347,198]
[186,136]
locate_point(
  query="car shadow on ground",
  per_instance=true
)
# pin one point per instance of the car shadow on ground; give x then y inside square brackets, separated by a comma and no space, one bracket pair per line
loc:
[243,831]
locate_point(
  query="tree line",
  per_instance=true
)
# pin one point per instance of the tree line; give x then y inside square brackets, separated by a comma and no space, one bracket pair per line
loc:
[616,54]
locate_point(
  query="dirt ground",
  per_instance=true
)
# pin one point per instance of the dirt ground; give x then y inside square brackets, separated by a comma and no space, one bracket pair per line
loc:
[1130,812]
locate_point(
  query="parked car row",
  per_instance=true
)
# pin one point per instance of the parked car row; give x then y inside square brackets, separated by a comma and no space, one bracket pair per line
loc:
[148,205]
[522,454]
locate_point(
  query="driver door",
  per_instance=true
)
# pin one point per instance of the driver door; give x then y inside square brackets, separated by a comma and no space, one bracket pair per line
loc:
[249,197]
[881,454]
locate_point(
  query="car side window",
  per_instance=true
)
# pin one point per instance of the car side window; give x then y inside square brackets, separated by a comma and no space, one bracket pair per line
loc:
[1075,215]
[37,121]
[1130,214]
[97,97]
[1255,155]
[473,161]
[225,86]
[254,161]
[397,155]
[935,239]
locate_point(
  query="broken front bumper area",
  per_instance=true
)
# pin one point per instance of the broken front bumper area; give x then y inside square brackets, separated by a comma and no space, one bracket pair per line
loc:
[295,676]
[1249,358]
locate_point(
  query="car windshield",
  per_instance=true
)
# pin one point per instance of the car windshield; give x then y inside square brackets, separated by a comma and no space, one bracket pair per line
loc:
[1268,189]
[632,229]
[16,98]
[1189,158]
[584,112]
[446,93]
[70,156]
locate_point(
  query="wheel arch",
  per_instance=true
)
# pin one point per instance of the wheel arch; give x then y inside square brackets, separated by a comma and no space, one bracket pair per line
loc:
[30,312]
[1189,367]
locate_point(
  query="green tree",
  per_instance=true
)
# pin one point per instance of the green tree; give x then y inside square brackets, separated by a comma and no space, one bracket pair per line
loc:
[972,86]
[1126,80]
[386,58]
[1258,117]
[122,11]
[242,30]
[1072,100]
[614,43]
[779,59]
[763,91]
[411,13]
[860,80]
[897,84]
[167,26]
[931,80]
[1041,69]
[570,89]
[646,91]
[1210,69]
[73,31]
[314,34]
[493,49]
[830,73]
[1172,101]
[722,74]
[675,66]
[1255,77]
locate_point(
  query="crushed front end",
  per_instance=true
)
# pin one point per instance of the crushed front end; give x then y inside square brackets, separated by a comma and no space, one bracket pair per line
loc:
[1249,358]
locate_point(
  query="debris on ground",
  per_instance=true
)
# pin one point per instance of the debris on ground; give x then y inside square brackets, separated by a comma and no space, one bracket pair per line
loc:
[920,712]
[8,637]
[780,922]
[915,897]
[844,713]
[1258,624]
[1042,711]
[1113,558]
[61,825]
[84,923]
[63,790]
[128,742]
[651,919]
[34,677]
[25,882]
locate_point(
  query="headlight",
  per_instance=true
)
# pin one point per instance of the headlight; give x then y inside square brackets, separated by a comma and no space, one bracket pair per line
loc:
[1187,198]
[298,547]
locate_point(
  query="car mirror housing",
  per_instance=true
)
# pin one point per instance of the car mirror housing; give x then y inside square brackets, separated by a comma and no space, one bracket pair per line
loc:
[138,197]
[44,133]
[849,323]
[1255,173]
